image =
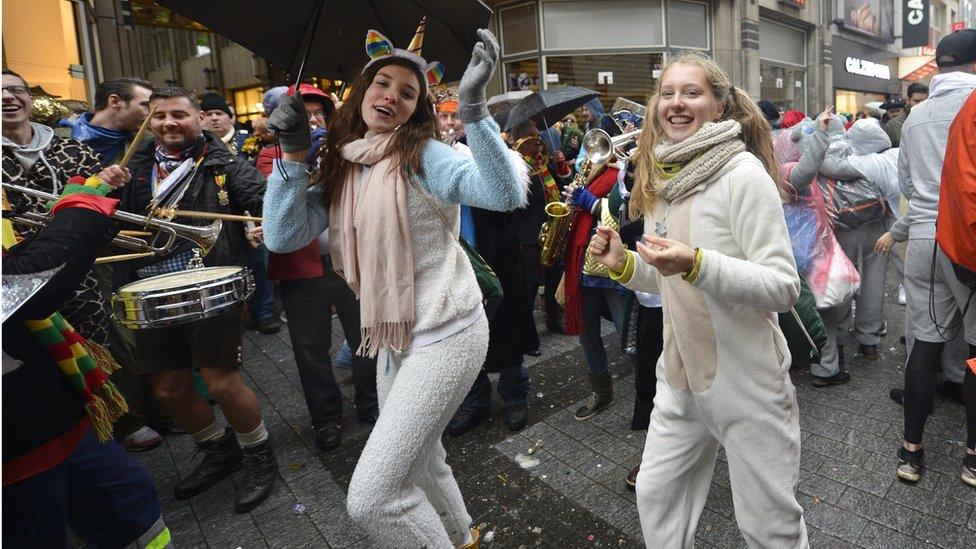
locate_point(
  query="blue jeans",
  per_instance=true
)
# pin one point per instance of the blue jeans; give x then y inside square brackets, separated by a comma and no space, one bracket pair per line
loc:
[598,302]
[98,491]
[513,387]
[261,304]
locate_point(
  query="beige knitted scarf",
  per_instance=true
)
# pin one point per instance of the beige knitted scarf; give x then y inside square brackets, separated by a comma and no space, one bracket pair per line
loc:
[702,154]
[370,244]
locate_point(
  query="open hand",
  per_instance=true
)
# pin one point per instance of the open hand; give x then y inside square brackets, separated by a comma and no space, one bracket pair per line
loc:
[471,90]
[669,257]
[608,249]
[823,121]
[115,175]
[884,243]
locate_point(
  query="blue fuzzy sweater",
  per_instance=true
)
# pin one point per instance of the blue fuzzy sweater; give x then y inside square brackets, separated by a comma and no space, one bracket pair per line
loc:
[444,283]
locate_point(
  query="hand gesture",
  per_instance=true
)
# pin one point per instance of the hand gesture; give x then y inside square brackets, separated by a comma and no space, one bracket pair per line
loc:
[608,249]
[471,90]
[823,121]
[884,243]
[115,175]
[669,257]
[290,121]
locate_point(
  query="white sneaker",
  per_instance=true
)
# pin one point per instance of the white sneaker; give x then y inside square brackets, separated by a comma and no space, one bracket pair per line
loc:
[144,439]
[901,295]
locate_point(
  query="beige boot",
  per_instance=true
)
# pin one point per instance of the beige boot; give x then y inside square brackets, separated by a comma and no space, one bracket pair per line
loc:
[600,398]
[475,539]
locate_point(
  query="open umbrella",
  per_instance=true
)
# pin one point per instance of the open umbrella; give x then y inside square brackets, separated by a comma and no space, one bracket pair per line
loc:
[545,107]
[500,102]
[331,33]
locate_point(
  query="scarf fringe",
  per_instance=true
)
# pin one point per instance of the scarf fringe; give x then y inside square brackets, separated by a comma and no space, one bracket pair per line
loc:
[105,361]
[395,336]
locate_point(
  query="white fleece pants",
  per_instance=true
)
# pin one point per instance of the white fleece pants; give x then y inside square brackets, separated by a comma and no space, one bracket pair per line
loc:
[403,493]
[762,448]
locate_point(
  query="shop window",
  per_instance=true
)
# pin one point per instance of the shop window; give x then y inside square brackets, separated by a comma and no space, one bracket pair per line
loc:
[519,29]
[781,43]
[522,75]
[247,103]
[685,25]
[603,24]
[852,102]
[618,75]
[786,87]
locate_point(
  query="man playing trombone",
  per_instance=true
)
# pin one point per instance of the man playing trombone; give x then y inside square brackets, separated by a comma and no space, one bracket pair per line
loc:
[216,182]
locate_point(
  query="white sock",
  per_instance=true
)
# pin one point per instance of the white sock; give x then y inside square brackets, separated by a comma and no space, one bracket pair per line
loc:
[209,433]
[254,438]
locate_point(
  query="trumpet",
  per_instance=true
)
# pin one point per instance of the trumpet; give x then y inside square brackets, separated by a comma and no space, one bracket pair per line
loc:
[204,237]
[599,148]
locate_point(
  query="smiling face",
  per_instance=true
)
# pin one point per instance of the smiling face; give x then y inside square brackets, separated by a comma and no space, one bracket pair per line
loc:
[176,122]
[17,101]
[390,99]
[686,102]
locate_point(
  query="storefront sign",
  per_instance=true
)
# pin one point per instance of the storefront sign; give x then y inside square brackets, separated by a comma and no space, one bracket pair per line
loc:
[915,23]
[958,26]
[867,68]
[926,50]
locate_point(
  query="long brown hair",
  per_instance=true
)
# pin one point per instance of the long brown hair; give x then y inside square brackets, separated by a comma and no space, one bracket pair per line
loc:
[756,131]
[347,125]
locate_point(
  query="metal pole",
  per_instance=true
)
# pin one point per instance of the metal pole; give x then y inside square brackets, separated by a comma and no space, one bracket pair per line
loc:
[314,25]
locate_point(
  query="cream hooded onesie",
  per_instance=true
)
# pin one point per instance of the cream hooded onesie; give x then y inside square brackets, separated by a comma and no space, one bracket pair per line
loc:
[723,377]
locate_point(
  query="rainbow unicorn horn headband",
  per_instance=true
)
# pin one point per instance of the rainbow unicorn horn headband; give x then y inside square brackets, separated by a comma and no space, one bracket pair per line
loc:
[379,47]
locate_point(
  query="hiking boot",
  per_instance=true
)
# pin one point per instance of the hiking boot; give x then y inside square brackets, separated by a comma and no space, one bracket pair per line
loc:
[910,465]
[840,378]
[516,416]
[600,398]
[632,479]
[466,419]
[269,325]
[260,471]
[869,352]
[969,470]
[328,436]
[146,438]
[221,457]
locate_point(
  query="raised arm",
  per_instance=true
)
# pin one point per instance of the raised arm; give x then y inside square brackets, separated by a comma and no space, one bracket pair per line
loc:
[293,213]
[805,171]
[488,181]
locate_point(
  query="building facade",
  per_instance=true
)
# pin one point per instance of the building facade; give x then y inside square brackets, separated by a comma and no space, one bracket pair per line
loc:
[799,54]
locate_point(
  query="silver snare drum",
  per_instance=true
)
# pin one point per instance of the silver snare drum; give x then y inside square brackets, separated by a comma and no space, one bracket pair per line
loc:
[181,298]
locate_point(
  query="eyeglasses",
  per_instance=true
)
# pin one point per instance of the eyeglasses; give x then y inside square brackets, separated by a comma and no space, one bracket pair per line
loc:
[17,90]
[316,114]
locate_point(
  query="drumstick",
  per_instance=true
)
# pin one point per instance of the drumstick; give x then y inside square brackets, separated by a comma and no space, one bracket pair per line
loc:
[135,141]
[135,233]
[211,215]
[121,257]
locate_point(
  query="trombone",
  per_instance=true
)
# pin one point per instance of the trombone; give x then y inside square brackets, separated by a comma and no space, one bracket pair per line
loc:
[204,237]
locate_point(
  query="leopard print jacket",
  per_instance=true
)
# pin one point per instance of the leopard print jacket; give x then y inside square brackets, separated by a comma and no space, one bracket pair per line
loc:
[87,310]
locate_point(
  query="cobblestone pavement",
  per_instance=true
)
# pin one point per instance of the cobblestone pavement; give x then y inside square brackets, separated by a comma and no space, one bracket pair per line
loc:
[570,491]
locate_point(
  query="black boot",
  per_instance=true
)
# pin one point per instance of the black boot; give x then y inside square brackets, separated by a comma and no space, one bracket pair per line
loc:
[466,419]
[220,458]
[260,471]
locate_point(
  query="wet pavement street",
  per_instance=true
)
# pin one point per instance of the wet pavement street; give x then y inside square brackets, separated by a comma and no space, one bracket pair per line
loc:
[569,491]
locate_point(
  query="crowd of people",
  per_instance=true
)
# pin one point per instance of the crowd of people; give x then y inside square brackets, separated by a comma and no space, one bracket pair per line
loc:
[729,242]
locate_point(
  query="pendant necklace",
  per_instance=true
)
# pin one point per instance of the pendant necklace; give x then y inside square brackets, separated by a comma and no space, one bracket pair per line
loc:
[661,227]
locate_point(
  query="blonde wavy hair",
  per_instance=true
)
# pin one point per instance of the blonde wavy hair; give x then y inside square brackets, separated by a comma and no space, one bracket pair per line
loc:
[756,131]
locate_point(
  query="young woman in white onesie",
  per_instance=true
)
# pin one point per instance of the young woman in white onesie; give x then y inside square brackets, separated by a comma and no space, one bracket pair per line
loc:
[717,249]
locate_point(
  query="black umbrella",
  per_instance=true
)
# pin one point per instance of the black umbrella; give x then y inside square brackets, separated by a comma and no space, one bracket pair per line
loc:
[279,30]
[545,107]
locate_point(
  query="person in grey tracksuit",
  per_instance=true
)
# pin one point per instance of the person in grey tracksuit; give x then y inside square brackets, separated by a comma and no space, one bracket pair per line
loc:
[827,154]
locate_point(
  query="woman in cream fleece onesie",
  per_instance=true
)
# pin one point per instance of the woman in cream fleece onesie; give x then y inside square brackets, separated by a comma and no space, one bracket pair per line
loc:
[716,248]
[402,491]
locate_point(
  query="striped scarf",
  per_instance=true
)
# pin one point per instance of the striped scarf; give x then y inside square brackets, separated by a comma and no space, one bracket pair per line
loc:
[87,365]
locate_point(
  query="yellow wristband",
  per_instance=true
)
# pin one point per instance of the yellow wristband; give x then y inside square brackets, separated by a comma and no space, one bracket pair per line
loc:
[692,275]
[625,275]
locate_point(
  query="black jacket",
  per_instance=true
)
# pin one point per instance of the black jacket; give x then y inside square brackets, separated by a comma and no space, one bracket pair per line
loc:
[529,220]
[38,403]
[244,185]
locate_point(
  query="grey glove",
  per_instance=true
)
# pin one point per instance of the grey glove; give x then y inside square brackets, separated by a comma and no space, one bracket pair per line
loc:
[290,121]
[471,92]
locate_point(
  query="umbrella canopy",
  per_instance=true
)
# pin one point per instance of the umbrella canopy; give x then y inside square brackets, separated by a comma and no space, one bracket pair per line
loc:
[545,107]
[278,31]
[500,102]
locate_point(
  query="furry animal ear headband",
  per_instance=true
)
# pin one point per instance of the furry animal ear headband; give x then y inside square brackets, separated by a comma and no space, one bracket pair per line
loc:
[379,47]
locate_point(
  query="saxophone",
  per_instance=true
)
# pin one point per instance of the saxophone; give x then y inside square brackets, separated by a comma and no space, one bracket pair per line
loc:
[552,236]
